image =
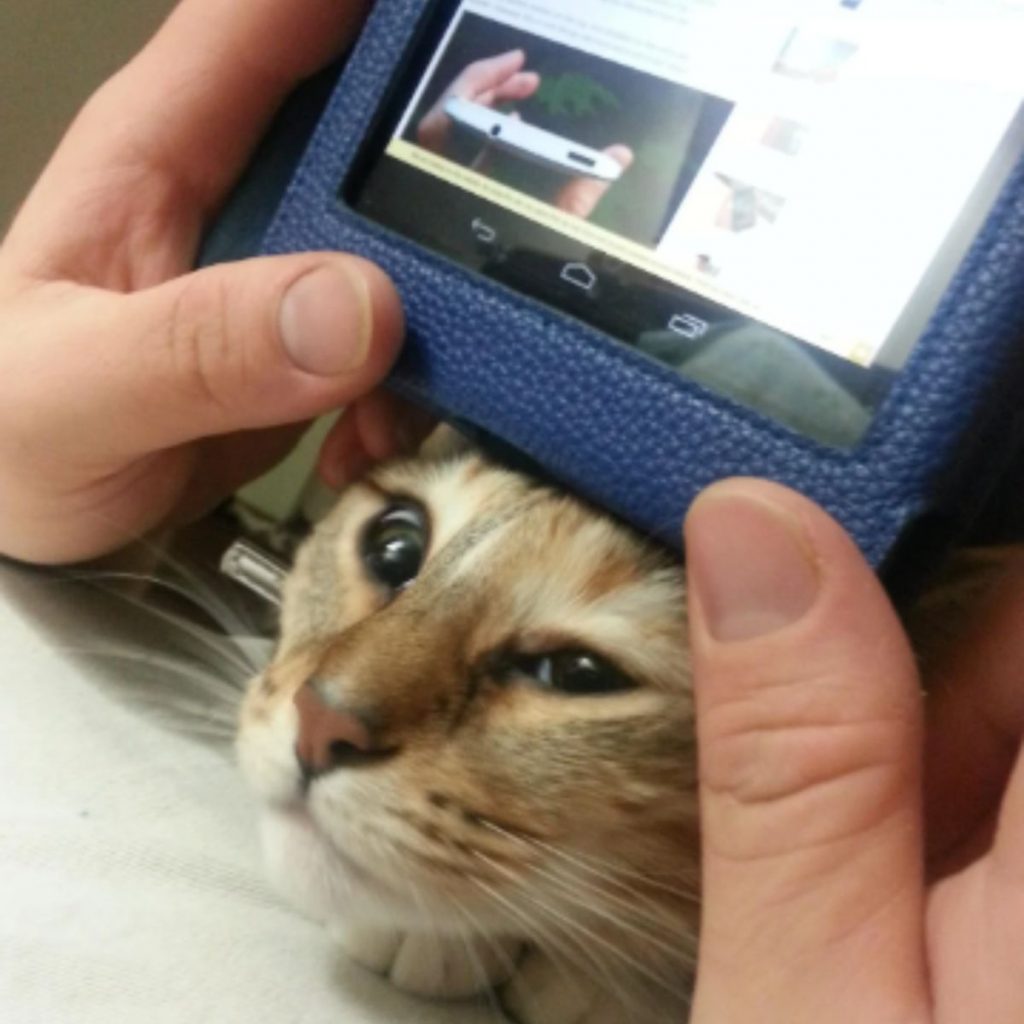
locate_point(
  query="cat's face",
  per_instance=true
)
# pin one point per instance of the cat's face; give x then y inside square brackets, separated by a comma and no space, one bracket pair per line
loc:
[514,670]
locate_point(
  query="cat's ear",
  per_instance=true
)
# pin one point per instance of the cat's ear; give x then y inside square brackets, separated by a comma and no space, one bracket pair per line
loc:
[445,442]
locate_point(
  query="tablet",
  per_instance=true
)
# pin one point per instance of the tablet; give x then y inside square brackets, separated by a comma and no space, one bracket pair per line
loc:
[806,263]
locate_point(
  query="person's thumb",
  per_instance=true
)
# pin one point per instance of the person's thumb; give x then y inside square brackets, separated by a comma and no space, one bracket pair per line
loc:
[809,736]
[229,348]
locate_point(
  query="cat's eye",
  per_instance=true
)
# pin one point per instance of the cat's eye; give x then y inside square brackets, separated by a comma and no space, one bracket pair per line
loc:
[395,544]
[572,672]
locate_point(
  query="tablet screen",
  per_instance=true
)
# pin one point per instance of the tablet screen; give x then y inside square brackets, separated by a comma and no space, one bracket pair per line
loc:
[770,198]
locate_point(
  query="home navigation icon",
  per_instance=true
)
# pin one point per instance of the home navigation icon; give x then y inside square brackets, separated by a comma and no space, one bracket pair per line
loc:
[579,275]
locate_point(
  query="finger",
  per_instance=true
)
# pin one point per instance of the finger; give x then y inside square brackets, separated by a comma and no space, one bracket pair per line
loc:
[1008,850]
[476,82]
[484,82]
[975,779]
[520,86]
[581,195]
[434,129]
[226,463]
[377,427]
[482,75]
[234,347]
[808,719]
[1008,867]
[974,924]
[975,717]
[186,112]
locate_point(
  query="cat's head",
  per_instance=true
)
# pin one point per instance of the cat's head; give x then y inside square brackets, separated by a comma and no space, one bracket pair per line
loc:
[480,713]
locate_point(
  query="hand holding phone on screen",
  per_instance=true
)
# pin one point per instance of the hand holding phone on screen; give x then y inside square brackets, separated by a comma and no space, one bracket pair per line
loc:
[468,103]
[485,82]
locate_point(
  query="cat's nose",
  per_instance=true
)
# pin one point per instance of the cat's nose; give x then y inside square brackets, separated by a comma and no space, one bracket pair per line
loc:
[331,737]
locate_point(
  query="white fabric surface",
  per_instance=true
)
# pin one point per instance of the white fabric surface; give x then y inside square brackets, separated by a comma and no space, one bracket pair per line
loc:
[130,882]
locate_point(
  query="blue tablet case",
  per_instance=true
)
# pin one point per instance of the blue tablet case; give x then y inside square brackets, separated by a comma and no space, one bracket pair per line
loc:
[628,433]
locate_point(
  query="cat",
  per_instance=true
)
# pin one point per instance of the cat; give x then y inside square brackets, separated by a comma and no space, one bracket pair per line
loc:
[474,743]
[474,746]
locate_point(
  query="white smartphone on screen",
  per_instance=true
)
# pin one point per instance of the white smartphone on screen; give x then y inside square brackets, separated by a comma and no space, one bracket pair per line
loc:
[531,143]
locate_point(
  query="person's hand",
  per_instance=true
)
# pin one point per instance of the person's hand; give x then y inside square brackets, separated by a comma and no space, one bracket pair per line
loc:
[834,891]
[133,392]
[501,79]
[487,82]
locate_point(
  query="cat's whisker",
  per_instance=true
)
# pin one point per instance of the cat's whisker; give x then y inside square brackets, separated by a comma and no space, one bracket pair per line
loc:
[416,895]
[483,981]
[566,950]
[541,936]
[197,730]
[194,591]
[472,931]
[627,895]
[233,617]
[660,922]
[216,685]
[198,715]
[194,710]
[475,927]
[144,660]
[475,932]
[401,844]
[614,874]
[94,577]
[478,930]
[592,937]
[227,649]
[396,866]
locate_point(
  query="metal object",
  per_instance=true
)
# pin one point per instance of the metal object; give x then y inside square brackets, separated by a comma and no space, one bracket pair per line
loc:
[256,570]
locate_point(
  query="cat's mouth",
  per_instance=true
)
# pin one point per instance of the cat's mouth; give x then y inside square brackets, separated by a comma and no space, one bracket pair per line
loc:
[320,877]
[305,819]
[302,819]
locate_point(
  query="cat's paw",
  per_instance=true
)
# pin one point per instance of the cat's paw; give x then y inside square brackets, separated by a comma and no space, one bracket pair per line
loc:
[545,992]
[430,965]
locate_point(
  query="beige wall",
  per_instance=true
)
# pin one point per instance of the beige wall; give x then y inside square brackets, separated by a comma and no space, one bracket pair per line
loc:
[52,54]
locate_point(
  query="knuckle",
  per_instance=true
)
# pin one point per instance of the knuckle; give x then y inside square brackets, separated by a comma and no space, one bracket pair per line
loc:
[206,367]
[771,743]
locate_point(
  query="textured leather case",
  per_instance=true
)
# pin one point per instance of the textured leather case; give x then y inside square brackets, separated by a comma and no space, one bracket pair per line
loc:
[629,433]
